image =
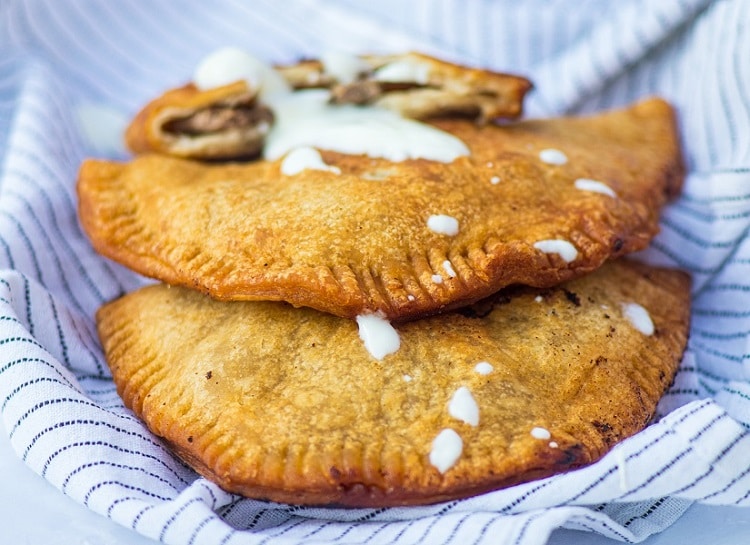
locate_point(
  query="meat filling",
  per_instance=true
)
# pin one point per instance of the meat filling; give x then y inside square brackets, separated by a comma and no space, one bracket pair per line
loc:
[220,118]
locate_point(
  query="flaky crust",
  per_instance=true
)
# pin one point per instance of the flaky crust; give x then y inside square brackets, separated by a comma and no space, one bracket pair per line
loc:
[359,241]
[286,404]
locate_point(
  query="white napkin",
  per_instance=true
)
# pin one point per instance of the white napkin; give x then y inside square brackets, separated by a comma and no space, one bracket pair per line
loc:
[72,73]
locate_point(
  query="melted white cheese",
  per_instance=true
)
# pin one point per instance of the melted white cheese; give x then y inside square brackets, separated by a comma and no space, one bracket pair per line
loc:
[378,335]
[638,317]
[586,184]
[230,64]
[561,247]
[304,158]
[464,407]
[443,225]
[446,450]
[305,118]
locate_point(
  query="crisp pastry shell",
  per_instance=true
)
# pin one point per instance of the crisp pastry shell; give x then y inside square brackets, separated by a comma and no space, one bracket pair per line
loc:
[286,404]
[359,241]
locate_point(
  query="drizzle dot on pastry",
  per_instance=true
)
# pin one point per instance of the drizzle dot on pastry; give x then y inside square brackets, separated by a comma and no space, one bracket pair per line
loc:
[495,180]
[540,433]
[553,156]
[638,317]
[463,406]
[448,267]
[437,279]
[586,184]
[305,158]
[443,225]
[561,247]
[484,368]
[446,450]
[378,335]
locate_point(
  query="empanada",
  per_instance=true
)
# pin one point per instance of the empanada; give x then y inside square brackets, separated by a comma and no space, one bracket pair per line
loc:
[231,121]
[288,405]
[534,202]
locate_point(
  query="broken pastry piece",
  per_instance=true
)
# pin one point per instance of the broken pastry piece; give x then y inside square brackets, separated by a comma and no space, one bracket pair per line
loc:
[231,120]
[415,85]
[262,398]
[220,123]
[536,202]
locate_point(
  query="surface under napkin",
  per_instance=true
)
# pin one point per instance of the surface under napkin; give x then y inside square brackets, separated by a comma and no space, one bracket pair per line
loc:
[72,73]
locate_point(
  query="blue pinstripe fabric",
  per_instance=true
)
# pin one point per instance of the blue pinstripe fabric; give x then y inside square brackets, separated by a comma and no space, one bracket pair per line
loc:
[56,397]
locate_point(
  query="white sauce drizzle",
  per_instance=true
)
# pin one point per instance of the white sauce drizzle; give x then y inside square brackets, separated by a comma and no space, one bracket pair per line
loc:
[540,433]
[495,180]
[638,317]
[405,71]
[304,158]
[437,279]
[443,225]
[305,118]
[446,450]
[553,444]
[464,407]
[484,368]
[378,335]
[561,247]
[344,67]
[586,184]
[230,64]
[538,298]
[448,267]
[553,156]
[407,378]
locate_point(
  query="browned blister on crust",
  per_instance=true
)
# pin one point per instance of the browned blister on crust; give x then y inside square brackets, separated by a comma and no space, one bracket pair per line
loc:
[359,241]
[286,404]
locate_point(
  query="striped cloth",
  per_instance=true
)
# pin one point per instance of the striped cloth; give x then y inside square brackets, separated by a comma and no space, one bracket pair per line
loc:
[71,74]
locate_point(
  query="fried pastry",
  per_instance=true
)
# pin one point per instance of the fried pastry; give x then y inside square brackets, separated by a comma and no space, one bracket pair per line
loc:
[230,121]
[224,122]
[287,404]
[535,202]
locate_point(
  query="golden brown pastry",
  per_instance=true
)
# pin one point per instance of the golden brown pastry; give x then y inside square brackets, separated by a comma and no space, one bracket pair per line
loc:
[225,122]
[231,121]
[536,202]
[288,405]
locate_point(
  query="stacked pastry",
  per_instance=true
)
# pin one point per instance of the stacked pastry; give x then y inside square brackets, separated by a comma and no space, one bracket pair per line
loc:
[377,286]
